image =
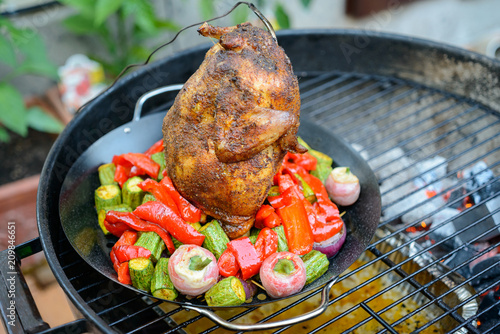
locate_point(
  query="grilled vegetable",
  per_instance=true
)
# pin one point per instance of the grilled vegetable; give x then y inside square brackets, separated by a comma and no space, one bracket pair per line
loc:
[316,264]
[161,284]
[148,198]
[227,264]
[342,186]
[306,189]
[215,238]
[332,245]
[228,292]
[274,191]
[108,195]
[131,193]
[101,215]
[107,174]
[141,272]
[153,242]
[283,274]
[159,158]
[246,256]
[193,269]
[282,243]
[324,162]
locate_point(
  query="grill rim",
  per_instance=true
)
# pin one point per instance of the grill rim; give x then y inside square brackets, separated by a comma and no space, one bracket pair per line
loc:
[49,212]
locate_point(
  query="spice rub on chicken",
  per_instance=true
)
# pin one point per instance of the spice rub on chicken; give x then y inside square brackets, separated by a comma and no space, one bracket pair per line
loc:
[231,125]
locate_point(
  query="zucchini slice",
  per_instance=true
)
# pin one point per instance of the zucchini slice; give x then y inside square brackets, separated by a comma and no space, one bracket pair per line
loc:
[228,292]
[216,239]
[282,242]
[153,242]
[141,273]
[107,195]
[132,195]
[148,197]
[316,264]
[159,158]
[107,174]
[161,284]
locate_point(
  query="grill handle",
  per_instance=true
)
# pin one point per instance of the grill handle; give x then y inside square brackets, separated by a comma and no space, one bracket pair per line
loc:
[268,325]
[18,308]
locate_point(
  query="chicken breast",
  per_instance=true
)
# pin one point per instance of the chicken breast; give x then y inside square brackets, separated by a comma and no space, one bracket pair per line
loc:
[231,125]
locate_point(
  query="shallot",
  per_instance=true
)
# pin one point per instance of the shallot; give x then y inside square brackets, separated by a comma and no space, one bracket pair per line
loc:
[193,269]
[283,274]
[342,186]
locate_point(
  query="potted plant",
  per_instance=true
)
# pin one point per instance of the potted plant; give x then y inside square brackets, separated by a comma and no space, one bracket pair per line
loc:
[26,130]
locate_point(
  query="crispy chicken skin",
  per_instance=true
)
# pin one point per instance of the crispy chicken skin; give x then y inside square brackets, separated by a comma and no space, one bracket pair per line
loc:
[231,125]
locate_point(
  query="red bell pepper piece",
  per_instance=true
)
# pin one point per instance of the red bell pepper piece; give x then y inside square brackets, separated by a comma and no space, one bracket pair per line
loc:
[267,243]
[164,216]
[121,174]
[139,160]
[227,264]
[124,274]
[264,212]
[131,221]
[273,220]
[160,192]
[188,211]
[246,256]
[116,229]
[125,253]
[114,260]
[321,229]
[285,181]
[295,221]
[127,238]
[305,160]
[155,148]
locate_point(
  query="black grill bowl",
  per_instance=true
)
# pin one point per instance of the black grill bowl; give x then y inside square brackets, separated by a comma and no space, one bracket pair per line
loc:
[108,307]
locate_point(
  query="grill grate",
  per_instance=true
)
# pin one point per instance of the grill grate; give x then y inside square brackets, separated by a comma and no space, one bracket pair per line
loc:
[395,125]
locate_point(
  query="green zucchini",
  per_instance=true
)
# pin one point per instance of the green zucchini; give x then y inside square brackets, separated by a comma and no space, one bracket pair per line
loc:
[148,197]
[107,195]
[316,264]
[322,171]
[282,242]
[216,239]
[161,284]
[306,189]
[141,273]
[101,215]
[132,195]
[107,174]
[159,158]
[228,292]
[176,242]
[153,242]
[253,238]
[274,191]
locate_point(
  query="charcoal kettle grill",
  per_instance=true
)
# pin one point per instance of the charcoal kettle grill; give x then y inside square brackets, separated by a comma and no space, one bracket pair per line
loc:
[379,92]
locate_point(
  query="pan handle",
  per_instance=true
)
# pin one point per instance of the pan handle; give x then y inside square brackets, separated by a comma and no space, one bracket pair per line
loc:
[268,325]
[150,94]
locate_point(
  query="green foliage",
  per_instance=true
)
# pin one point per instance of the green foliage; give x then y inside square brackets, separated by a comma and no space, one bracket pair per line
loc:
[282,17]
[22,51]
[121,26]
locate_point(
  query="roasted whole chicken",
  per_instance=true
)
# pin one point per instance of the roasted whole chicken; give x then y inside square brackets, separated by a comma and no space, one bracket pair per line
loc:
[231,125]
